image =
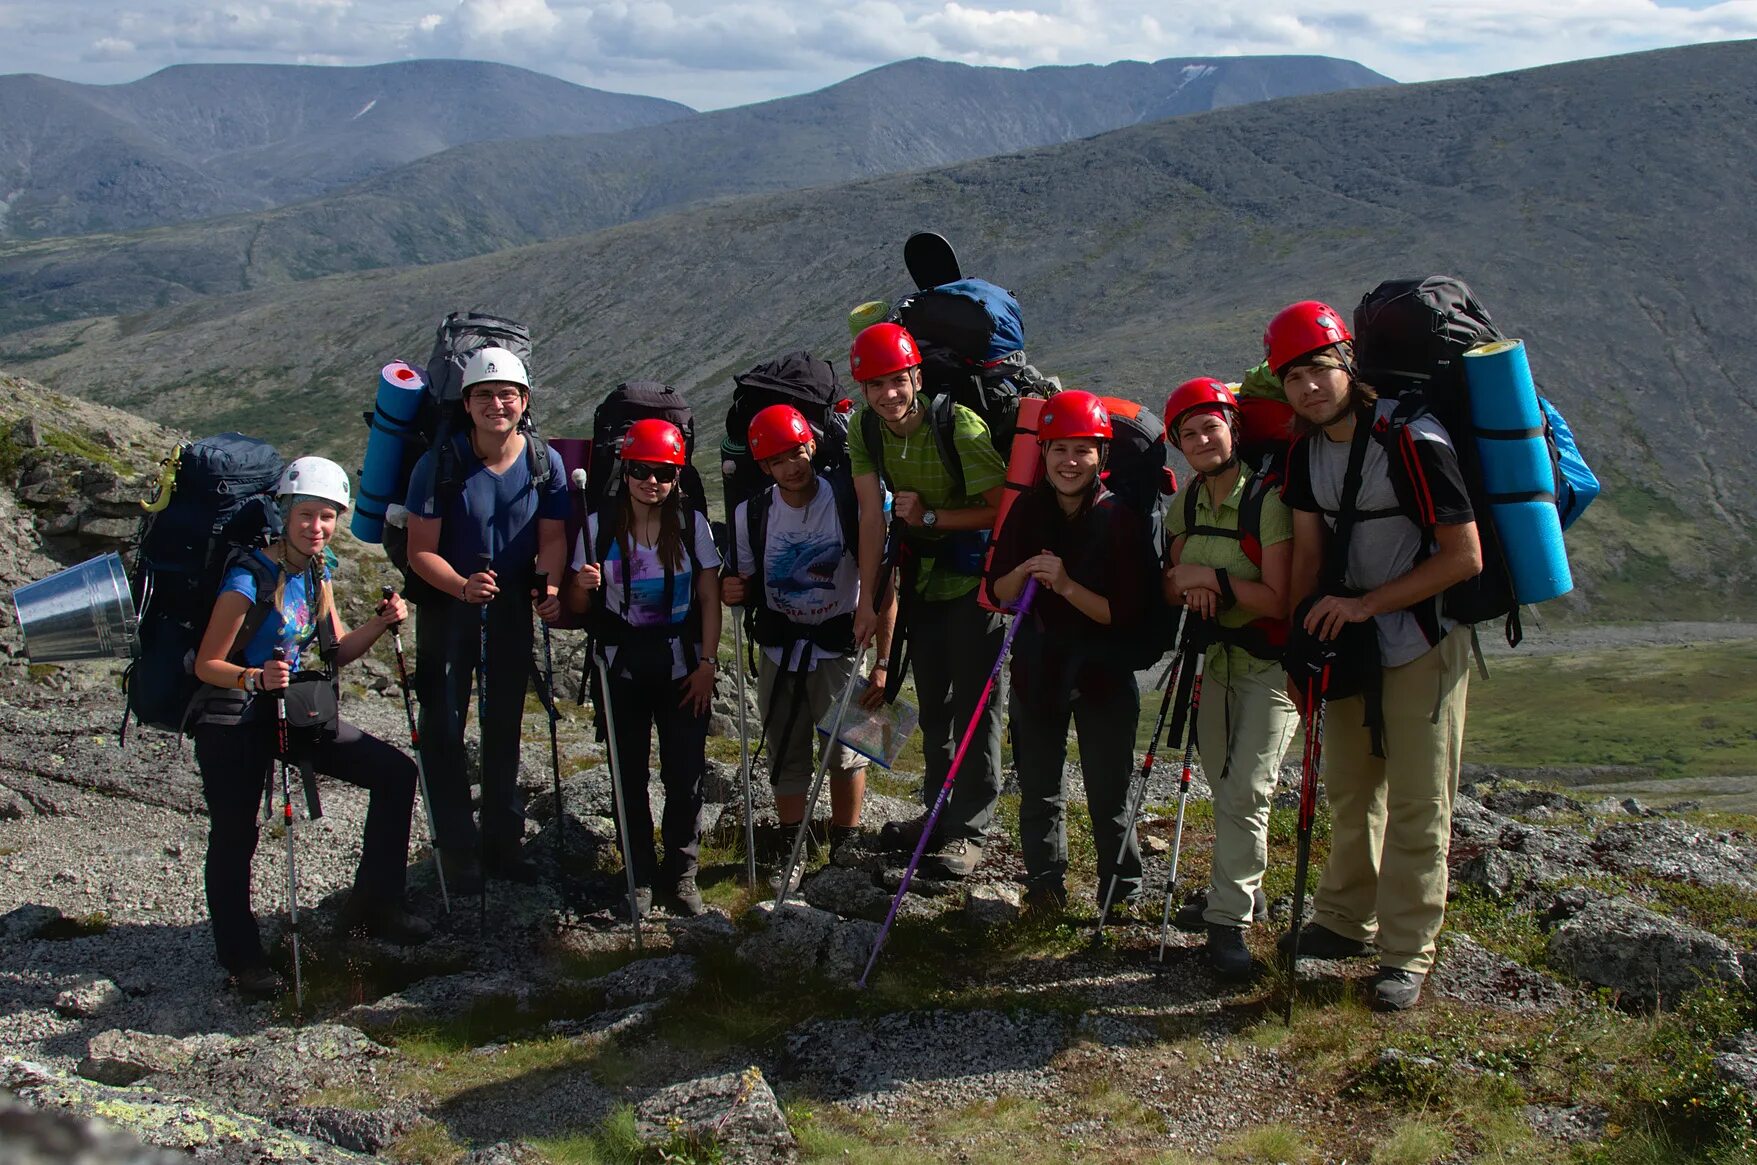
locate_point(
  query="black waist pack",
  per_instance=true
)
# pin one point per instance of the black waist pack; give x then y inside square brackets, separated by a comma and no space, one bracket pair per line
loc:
[311,703]
[1337,669]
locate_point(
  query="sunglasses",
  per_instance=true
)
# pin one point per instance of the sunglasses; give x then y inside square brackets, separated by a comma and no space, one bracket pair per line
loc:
[642,470]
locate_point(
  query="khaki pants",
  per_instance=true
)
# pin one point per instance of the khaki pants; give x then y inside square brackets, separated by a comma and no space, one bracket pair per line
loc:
[783,703]
[1243,728]
[1391,818]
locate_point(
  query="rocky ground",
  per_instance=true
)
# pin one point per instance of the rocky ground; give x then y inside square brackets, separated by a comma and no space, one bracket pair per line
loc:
[1593,999]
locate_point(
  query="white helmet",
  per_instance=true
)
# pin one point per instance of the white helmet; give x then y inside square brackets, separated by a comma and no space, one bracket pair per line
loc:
[495,364]
[315,477]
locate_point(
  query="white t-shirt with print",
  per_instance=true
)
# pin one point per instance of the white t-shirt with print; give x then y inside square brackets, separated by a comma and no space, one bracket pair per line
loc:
[809,575]
[642,602]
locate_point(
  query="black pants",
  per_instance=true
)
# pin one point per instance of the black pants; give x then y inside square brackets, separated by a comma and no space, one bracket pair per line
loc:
[234,762]
[448,643]
[953,645]
[637,708]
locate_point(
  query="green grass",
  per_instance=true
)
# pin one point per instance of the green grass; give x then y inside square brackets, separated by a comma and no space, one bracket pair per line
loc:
[83,447]
[1676,710]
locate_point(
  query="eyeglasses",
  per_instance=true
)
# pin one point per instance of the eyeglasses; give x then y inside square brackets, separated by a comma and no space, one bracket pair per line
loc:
[502,396]
[642,470]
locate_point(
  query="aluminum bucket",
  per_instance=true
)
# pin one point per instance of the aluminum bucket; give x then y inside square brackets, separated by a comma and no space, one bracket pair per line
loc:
[83,612]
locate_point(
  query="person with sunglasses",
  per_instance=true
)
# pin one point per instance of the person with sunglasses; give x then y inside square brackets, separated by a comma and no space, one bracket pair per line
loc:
[651,594]
[475,542]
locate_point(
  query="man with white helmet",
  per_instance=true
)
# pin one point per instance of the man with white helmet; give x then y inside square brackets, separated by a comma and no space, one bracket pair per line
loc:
[482,511]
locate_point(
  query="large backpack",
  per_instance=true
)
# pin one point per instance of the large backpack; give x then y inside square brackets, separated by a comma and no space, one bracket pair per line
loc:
[972,341]
[215,503]
[808,384]
[441,418]
[1410,336]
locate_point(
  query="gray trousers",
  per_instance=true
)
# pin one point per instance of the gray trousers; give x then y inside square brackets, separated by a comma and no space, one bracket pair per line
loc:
[1106,732]
[953,645]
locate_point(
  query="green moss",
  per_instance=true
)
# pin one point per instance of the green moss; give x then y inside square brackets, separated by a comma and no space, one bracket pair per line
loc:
[83,447]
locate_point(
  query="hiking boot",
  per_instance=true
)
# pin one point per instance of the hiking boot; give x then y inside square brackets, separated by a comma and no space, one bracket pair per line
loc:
[1189,916]
[512,864]
[902,835]
[772,843]
[844,842]
[1395,989]
[393,924]
[792,883]
[643,901]
[686,896]
[259,982]
[957,858]
[1320,942]
[1046,898]
[463,875]
[1227,952]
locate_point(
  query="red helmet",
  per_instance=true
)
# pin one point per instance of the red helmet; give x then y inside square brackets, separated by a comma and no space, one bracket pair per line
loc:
[881,350]
[1071,414]
[777,429]
[655,441]
[1202,392]
[1301,329]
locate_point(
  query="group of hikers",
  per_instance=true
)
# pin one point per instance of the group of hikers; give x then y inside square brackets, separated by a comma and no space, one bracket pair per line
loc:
[1350,533]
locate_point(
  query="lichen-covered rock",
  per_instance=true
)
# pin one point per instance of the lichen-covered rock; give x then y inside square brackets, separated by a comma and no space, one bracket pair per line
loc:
[648,979]
[1468,972]
[1498,873]
[356,1130]
[736,1112]
[790,942]
[704,932]
[1737,1063]
[1679,851]
[992,905]
[847,891]
[848,948]
[121,1057]
[88,999]
[1646,957]
[48,1136]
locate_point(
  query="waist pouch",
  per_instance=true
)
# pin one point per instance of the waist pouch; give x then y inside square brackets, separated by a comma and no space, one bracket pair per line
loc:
[646,660]
[1343,667]
[960,552]
[311,703]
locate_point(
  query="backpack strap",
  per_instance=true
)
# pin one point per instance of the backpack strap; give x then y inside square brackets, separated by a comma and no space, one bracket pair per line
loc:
[872,434]
[1249,531]
[942,418]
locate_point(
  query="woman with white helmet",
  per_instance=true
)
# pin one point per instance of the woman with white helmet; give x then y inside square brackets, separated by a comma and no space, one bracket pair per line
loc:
[279,599]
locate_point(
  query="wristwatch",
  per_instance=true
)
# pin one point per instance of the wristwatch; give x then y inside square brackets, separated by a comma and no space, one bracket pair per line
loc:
[930,518]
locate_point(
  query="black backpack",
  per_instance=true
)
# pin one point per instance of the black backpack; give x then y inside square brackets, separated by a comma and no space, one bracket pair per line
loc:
[441,418]
[1410,336]
[215,504]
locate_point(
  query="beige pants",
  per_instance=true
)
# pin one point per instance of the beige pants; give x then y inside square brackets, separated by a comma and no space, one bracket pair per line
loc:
[1243,728]
[1391,818]
[776,698]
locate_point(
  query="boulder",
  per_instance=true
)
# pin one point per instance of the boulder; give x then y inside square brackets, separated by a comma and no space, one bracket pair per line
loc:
[1468,972]
[356,1130]
[1527,800]
[848,948]
[1574,1124]
[48,1136]
[692,936]
[121,1057]
[1681,852]
[1737,1063]
[88,999]
[847,891]
[736,1112]
[789,943]
[992,905]
[28,921]
[1646,957]
[1498,873]
[648,979]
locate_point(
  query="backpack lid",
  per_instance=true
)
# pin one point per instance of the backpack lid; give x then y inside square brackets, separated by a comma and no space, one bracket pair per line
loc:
[974,319]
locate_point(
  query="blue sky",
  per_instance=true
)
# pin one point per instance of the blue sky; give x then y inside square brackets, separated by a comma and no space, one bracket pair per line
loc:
[710,54]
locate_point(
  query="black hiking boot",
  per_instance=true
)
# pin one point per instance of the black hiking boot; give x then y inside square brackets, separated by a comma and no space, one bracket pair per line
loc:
[1227,952]
[387,921]
[512,864]
[1320,942]
[1395,989]
[901,835]
[686,897]
[258,982]
[844,842]
[1046,898]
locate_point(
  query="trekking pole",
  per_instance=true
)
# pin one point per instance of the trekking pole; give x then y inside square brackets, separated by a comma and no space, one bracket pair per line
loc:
[1019,608]
[1308,811]
[282,746]
[817,784]
[482,751]
[609,723]
[541,582]
[396,639]
[744,748]
[1183,793]
[1168,681]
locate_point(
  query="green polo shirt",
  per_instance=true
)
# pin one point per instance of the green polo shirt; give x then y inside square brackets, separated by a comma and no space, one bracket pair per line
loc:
[1223,553]
[913,465]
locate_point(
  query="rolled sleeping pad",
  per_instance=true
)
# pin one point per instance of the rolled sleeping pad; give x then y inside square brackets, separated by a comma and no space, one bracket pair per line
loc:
[1024,470]
[382,484]
[1517,474]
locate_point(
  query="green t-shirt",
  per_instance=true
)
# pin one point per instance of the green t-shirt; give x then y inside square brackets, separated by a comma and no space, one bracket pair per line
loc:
[1223,553]
[913,465]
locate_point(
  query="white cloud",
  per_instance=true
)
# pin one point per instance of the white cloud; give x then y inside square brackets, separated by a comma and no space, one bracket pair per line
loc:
[724,53]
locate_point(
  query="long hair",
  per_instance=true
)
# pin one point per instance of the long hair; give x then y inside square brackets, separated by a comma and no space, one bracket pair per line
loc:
[325,600]
[672,553]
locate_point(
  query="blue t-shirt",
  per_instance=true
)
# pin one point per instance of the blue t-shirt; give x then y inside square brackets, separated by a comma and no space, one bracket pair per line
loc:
[292,625]
[496,513]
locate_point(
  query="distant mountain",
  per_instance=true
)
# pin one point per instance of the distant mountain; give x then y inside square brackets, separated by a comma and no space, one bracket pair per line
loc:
[1597,208]
[197,140]
[486,197]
